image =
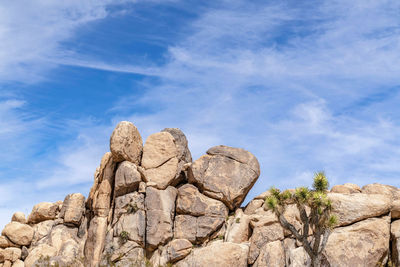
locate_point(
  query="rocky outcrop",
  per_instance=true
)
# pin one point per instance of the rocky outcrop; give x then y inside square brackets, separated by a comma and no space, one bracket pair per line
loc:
[150,205]
[226,174]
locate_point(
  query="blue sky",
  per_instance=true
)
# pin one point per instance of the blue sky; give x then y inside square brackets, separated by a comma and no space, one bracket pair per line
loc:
[304,86]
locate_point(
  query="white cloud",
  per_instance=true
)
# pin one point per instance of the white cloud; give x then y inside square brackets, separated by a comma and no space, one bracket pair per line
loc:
[302,87]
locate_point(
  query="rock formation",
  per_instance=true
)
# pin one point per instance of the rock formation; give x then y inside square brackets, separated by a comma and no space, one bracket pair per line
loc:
[150,205]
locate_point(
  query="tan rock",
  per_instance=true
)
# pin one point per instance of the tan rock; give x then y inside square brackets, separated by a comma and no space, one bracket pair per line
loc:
[217,254]
[39,252]
[347,188]
[253,206]
[158,149]
[18,263]
[18,217]
[196,229]
[126,143]
[163,175]
[178,249]
[43,211]
[388,190]
[190,201]
[298,257]
[133,224]
[238,229]
[1,256]
[7,264]
[364,243]
[129,203]
[351,208]
[12,254]
[185,227]
[73,208]
[226,174]
[18,233]
[395,210]
[272,254]
[5,242]
[261,236]
[160,210]
[41,231]
[127,179]
[183,152]
[95,241]
[395,237]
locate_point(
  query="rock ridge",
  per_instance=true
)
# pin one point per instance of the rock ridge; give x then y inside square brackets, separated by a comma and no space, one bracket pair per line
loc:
[152,205]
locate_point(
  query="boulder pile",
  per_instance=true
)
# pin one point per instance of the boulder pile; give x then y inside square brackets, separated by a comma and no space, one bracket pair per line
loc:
[151,205]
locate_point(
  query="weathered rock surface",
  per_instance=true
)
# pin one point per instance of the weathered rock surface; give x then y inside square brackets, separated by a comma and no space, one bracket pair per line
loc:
[226,174]
[73,208]
[178,249]
[126,143]
[272,254]
[18,217]
[217,254]
[395,237]
[18,233]
[362,244]
[43,211]
[347,188]
[351,208]
[160,211]
[127,179]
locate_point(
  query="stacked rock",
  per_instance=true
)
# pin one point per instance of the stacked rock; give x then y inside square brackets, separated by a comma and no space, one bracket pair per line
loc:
[150,205]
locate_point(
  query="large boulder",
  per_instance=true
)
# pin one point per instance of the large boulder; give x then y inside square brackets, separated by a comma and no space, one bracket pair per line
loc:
[183,152]
[126,143]
[178,249]
[41,231]
[217,254]
[12,254]
[39,253]
[226,174]
[19,233]
[381,189]
[43,211]
[127,179]
[364,243]
[164,155]
[238,228]
[73,208]
[18,217]
[272,254]
[190,201]
[351,208]
[347,188]
[261,236]
[160,211]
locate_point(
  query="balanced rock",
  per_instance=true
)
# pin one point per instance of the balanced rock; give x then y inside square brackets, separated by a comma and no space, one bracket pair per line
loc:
[18,233]
[18,217]
[226,174]
[73,208]
[126,143]
[163,159]
[43,211]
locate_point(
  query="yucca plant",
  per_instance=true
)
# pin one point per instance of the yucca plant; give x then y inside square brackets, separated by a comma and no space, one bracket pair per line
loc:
[318,218]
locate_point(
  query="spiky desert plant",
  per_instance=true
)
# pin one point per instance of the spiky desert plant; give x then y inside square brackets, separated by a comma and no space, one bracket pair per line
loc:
[315,213]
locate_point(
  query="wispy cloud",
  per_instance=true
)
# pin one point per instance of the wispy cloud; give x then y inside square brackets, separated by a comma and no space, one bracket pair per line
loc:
[304,87]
